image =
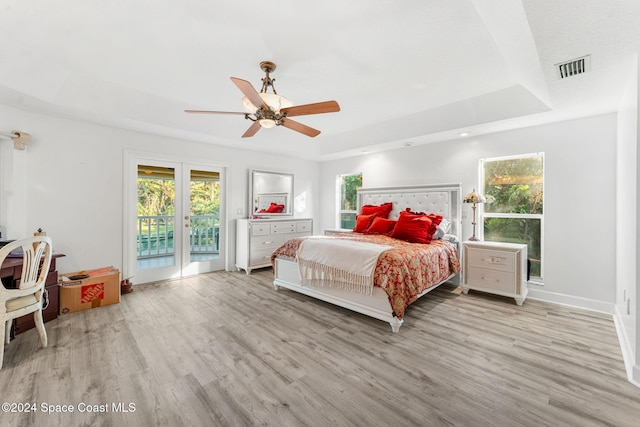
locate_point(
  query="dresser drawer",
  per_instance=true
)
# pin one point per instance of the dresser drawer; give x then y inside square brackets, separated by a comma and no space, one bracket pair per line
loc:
[491,280]
[261,256]
[272,241]
[258,229]
[492,259]
[257,239]
[283,227]
[303,227]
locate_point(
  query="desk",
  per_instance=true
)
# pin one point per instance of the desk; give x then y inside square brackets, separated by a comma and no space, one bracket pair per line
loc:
[10,274]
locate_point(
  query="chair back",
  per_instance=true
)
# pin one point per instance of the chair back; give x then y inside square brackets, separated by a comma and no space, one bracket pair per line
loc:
[36,259]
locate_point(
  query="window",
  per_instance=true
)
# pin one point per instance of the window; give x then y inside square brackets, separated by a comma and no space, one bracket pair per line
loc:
[348,199]
[516,215]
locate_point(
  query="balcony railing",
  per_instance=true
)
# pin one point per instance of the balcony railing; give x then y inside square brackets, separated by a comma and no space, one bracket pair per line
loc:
[155,235]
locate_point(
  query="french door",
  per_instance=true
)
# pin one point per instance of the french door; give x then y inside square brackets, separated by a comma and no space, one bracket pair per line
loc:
[175,222]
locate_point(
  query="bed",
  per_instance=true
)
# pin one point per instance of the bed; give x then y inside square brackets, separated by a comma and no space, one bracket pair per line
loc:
[403,273]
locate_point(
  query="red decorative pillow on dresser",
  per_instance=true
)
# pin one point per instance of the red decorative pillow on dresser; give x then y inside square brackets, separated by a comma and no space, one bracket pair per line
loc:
[381,226]
[416,227]
[363,222]
[273,208]
[382,210]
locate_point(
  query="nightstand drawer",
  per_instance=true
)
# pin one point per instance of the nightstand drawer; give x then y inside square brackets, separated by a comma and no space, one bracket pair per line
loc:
[494,260]
[491,280]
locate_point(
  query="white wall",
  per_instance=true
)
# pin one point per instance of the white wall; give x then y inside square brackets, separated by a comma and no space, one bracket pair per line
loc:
[626,221]
[74,180]
[73,184]
[580,161]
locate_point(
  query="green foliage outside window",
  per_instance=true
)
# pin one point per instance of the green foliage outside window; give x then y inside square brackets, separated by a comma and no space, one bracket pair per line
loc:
[349,185]
[515,184]
[205,197]
[515,216]
[156,196]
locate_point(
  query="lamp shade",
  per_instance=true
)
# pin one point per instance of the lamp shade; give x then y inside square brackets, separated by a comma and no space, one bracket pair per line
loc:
[475,198]
[275,102]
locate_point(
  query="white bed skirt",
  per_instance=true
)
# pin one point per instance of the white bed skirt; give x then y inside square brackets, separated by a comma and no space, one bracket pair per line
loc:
[287,275]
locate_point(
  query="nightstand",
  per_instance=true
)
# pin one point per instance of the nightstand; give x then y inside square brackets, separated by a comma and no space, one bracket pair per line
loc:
[495,267]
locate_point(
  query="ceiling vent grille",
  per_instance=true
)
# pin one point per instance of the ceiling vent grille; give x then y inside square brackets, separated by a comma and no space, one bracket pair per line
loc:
[574,67]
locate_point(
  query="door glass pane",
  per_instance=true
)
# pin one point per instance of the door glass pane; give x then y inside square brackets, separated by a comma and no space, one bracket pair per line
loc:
[156,213]
[517,230]
[204,213]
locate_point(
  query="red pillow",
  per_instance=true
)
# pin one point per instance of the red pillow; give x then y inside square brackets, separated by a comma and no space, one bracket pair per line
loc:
[383,210]
[437,219]
[381,226]
[415,227]
[273,208]
[363,222]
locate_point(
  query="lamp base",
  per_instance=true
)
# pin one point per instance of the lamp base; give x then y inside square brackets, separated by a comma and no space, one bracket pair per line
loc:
[473,239]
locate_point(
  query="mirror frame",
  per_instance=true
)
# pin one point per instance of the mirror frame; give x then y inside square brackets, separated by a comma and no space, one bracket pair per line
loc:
[270,194]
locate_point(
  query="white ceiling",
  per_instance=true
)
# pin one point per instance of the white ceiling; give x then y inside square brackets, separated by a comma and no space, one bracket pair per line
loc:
[414,71]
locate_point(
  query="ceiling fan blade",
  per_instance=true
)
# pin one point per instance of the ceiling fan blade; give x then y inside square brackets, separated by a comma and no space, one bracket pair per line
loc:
[255,127]
[299,127]
[317,108]
[248,90]
[214,112]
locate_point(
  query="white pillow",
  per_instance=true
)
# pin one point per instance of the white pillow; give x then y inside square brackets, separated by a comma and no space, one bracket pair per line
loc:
[442,229]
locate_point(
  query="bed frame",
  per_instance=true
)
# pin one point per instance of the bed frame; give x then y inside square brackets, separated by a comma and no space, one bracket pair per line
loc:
[442,199]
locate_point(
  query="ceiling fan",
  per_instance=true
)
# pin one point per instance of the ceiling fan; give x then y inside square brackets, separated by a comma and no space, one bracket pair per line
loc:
[270,109]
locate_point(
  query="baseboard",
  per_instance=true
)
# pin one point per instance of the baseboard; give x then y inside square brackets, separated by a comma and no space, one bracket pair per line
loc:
[633,370]
[570,300]
[635,380]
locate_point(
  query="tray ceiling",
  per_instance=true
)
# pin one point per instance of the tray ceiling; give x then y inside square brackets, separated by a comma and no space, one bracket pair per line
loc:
[421,72]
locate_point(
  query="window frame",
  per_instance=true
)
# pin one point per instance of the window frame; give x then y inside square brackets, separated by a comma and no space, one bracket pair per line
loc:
[339,198]
[537,280]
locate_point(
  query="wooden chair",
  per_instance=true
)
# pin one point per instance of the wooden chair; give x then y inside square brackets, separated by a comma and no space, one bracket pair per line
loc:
[28,296]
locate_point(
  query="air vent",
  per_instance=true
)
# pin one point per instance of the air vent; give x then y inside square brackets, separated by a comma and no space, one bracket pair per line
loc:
[574,67]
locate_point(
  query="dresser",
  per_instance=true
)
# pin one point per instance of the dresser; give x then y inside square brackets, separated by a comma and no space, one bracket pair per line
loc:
[256,239]
[495,267]
[10,274]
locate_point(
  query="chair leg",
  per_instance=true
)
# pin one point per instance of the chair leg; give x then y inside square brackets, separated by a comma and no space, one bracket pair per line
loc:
[7,331]
[2,333]
[37,317]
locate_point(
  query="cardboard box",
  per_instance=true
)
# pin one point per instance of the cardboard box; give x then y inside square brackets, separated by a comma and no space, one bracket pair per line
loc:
[89,289]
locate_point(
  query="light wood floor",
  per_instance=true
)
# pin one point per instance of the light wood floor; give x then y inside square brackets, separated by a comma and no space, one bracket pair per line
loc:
[226,349]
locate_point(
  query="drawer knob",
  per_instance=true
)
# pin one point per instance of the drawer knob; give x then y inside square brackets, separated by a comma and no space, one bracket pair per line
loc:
[494,260]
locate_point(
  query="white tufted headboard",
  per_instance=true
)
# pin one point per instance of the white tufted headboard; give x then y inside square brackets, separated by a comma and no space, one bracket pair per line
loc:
[441,199]
[265,199]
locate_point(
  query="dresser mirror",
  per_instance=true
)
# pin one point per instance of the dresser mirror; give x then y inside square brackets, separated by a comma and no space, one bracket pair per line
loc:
[271,193]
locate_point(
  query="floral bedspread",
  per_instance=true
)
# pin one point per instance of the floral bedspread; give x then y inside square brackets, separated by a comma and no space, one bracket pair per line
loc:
[403,272]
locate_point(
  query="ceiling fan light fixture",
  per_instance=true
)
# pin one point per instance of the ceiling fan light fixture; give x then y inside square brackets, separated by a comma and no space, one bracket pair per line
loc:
[273,101]
[269,112]
[267,123]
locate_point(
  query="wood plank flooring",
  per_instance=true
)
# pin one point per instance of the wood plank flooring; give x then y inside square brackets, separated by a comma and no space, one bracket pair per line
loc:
[226,349]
